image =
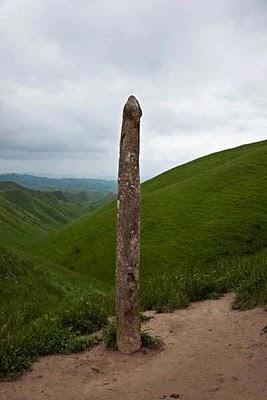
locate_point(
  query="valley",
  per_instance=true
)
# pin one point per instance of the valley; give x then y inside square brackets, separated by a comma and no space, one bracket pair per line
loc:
[26,214]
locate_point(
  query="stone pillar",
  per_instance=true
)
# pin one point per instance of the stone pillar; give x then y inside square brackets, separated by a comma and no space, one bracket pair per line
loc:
[128,231]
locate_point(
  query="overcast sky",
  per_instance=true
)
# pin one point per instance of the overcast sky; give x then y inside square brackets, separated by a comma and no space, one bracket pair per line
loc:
[198,68]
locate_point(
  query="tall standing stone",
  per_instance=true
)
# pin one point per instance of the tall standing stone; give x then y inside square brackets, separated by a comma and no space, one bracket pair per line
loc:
[128,231]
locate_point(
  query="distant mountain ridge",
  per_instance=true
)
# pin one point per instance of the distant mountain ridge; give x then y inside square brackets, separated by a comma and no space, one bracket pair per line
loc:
[70,184]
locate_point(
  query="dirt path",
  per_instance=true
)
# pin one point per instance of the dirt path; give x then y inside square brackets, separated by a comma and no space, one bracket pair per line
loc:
[210,352]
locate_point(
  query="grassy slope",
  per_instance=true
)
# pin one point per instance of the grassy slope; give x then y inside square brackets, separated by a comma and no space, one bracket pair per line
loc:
[194,215]
[32,284]
[44,309]
[26,215]
[90,200]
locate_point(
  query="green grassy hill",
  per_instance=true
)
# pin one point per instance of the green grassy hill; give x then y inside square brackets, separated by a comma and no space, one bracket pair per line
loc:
[89,200]
[26,215]
[196,215]
[204,231]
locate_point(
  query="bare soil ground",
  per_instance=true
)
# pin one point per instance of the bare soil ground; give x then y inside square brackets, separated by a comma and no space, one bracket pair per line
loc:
[210,352]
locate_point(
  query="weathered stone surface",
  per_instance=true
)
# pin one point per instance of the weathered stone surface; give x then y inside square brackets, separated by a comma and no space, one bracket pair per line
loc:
[128,231]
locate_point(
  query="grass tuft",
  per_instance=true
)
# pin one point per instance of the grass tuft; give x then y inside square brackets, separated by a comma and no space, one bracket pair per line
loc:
[109,335]
[251,284]
[149,341]
[145,318]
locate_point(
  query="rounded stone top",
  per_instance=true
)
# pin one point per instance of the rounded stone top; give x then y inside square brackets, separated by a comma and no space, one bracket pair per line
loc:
[132,108]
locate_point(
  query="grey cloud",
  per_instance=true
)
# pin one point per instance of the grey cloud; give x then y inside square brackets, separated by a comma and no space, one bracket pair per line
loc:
[198,68]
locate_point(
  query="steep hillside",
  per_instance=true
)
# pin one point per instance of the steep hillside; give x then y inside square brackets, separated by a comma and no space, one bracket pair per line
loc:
[89,200]
[69,184]
[195,215]
[26,215]
[32,286]
[43,309]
